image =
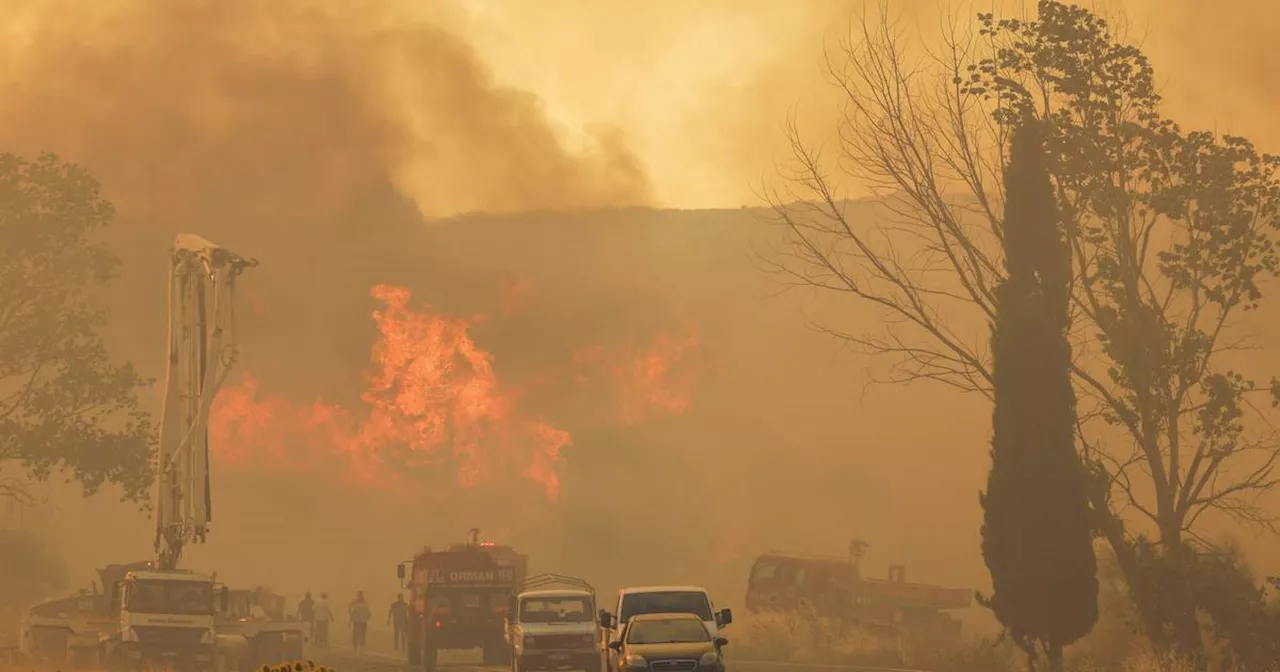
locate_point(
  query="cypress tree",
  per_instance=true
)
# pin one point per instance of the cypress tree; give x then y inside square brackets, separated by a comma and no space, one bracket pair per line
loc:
[1036,536]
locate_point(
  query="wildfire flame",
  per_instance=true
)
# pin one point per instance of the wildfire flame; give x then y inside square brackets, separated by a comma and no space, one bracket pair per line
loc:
[434,401]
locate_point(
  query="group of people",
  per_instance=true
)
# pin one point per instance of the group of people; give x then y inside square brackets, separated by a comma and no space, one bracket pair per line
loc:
[317,614]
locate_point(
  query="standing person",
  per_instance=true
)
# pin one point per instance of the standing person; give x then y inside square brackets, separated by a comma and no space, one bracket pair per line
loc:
[398,618]
[360,614]
[323,615]
[307,614]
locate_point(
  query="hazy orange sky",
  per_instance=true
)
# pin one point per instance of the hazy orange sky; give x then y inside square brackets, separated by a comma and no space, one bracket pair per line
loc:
[700,89]
[696,91]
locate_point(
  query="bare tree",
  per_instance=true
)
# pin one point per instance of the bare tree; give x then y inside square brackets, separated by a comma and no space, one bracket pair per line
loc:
[1170,233]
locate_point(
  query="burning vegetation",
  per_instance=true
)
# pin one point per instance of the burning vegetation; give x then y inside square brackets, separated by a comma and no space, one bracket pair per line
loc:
[434,399]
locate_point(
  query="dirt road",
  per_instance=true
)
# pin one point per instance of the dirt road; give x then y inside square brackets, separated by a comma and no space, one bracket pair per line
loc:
[346,660]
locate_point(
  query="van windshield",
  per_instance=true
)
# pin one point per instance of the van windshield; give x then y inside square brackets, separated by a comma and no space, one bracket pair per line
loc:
[666,602]
[667,631]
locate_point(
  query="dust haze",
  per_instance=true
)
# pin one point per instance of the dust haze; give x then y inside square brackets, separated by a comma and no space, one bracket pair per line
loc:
[339,143]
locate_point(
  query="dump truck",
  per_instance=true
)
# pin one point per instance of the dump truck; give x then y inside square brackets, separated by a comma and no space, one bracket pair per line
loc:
[834,588]
[460,599]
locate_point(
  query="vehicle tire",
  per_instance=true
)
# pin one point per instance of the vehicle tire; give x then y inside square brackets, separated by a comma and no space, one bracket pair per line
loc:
[413,644]
[430,656]
[116,662]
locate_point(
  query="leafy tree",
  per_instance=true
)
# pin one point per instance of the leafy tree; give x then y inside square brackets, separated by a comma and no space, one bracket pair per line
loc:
[63,403]
[1170,232]
[1037,536]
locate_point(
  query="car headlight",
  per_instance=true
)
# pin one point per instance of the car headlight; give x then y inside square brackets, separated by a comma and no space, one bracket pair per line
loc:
[632,660]
[709,659]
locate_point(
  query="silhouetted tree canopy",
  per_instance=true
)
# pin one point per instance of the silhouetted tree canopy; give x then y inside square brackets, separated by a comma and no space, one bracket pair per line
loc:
[63,402]
[1037,537]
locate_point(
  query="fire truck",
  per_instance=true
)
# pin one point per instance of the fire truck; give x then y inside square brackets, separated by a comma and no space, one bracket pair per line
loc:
[460,597]
[834,588]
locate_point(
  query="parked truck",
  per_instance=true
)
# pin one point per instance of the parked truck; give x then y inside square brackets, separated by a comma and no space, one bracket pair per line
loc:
[166,622]
[834,588]
[460,599]
[132,616]
[254,630]
[552,625]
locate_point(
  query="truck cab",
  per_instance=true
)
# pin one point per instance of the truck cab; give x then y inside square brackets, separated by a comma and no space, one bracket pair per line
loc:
[660,600]
[459,600]
[551,625]
[166,619]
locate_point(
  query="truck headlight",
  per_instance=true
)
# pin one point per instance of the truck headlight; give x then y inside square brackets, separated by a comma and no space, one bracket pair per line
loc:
[709,659]
[633,660]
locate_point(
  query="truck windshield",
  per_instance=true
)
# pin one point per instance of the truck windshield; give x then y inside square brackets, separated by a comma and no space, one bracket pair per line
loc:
[666,602]
[555,610]
[171,597]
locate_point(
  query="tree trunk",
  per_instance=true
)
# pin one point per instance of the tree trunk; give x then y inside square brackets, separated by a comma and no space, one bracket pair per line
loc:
[1055,656]
[1188,642]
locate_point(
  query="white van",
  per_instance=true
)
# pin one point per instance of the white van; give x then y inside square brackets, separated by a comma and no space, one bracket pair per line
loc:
[660,600]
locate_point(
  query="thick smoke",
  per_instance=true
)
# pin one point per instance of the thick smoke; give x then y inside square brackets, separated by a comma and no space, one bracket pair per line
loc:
[286,111]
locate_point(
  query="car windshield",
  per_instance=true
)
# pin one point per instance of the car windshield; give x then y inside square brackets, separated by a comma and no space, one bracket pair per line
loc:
[555,610]
[171,597]
[667,631]
[666,602]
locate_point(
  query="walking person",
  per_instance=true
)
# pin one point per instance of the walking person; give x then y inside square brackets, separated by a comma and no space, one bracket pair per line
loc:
[360,614]
[307,614]
[398,618]
[323,616]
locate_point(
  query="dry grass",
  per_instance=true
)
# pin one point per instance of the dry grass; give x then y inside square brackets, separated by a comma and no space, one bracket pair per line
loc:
[806,639]
[809,639]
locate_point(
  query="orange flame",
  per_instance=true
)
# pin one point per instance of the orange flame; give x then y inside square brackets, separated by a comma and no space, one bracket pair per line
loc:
[433,397]
[656,380]
[514,294]
[434,400]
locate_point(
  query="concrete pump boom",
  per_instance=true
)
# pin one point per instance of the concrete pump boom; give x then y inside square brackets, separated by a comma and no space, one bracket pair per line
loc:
[202,350]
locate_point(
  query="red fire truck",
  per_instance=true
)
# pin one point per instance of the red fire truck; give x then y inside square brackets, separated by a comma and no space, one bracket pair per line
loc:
[460,598]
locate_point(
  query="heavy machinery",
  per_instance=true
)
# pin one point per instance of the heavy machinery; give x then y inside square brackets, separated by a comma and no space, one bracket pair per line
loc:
[152,613]
[834,588]
[460,599]
[255,630]
[69,630]
[167,615]
[552,624]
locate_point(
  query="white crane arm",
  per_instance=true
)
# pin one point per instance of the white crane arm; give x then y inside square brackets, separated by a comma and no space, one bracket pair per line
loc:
[202,350]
